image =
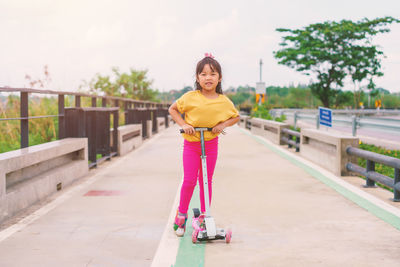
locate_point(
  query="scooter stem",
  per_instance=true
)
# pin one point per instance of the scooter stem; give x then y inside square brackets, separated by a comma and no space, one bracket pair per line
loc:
[203,149]
[205,175]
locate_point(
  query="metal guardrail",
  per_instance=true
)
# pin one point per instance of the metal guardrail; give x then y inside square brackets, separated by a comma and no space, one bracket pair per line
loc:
[369,172]
[248,125]
[288,140]
[358,112]
[355,122]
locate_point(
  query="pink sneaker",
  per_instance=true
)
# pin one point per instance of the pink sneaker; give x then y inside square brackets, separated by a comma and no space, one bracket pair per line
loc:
[180,224]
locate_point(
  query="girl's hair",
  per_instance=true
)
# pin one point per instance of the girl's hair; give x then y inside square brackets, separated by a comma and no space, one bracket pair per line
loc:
[214,65]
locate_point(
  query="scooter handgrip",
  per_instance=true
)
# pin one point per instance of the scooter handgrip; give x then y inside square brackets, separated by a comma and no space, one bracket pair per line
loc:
[182,131]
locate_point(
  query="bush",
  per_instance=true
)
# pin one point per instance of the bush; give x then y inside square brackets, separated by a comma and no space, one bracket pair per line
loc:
[282,118]
[263,113]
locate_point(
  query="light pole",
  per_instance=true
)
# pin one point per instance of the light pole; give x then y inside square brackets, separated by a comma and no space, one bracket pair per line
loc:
[260,88]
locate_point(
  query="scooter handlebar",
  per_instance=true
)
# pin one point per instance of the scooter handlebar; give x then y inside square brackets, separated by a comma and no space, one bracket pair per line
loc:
[198,129]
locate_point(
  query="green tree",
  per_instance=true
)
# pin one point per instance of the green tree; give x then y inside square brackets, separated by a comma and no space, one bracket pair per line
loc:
[274,101]
[172,95]
[298,98]
[343,99]
[330,51]
[239,98]
[246,89]
[133,84]
[391,101]
[276,90]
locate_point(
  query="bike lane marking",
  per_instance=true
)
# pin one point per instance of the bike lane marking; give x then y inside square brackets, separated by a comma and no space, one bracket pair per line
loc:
[190,254]
[180,251]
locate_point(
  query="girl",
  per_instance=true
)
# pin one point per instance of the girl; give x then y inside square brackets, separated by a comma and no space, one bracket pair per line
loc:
[204,107]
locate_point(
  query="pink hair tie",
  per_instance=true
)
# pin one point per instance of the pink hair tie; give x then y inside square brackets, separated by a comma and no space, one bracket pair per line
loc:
[209,55]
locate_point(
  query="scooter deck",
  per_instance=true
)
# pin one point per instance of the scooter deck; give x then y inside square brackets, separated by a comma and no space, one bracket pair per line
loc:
[202,235]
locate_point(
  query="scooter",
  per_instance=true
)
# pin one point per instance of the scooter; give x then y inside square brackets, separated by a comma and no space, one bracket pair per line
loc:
[204,228]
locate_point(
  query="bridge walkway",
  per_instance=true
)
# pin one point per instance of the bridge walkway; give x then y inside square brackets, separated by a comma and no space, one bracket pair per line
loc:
[284,211]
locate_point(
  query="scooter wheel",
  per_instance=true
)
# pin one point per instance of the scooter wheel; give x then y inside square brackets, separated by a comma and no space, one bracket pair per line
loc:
[194,235]
[228,236]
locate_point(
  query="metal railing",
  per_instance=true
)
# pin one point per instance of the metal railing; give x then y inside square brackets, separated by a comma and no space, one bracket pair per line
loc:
[248,125]
[24,117]
[356,122]
[358,112]
[289,138]
[369,172]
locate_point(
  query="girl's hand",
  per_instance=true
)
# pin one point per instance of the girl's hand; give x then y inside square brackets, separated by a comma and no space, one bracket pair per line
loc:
[219,128]
[188,129]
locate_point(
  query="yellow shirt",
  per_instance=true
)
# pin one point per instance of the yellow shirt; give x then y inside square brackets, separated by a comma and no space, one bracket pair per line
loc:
[201,111]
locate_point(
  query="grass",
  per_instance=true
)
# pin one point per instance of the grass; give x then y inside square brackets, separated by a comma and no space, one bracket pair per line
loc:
[263,113]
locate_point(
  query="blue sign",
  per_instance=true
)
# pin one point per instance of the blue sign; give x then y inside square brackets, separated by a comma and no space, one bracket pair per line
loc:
[325,116]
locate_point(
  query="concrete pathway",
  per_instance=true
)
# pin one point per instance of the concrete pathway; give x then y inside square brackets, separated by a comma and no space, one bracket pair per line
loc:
[119,223]
[284,211]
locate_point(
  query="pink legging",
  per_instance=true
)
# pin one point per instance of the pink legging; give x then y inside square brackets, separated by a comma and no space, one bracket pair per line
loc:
[193,171]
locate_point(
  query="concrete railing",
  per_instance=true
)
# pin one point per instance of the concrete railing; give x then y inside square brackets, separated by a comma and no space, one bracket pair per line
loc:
[257,126]
[149,128]
[31,174]
[129,138]
[160,124]
[327,149]
[323,148]
[243,121]
[272,130]
[170,120]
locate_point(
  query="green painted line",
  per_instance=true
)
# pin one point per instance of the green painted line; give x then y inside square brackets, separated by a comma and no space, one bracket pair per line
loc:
[360,201]
[190,254]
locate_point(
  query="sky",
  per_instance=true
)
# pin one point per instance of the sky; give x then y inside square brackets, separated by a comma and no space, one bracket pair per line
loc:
[79,38]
